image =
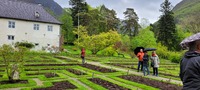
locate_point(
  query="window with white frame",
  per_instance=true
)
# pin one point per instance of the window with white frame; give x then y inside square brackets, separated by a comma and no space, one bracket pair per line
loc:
[11,24]
[11,37]
[50,28]
[36,27]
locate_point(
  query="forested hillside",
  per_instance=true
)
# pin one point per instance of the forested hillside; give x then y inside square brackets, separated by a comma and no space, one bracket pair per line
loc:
[186,8]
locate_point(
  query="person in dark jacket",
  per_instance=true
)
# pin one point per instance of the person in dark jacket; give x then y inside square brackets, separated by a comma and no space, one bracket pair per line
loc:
[190,67]
[146,63]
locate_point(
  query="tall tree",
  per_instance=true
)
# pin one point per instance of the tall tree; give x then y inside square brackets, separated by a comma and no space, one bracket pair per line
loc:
[78,6]
[167,28]
[130,24]
[67,27]
[112,22]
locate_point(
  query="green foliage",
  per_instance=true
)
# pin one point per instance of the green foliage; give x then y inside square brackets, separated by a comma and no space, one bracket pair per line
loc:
[110,17]
[67,27]
[13,59]
[94,22]
[131,23]
[24,44]
[167,29]
[191,23]
[173,56]
[109,51]
[181,34]
[145,38]
[162,51]
[186,8]
[95,43]
[98,20]
[78,6]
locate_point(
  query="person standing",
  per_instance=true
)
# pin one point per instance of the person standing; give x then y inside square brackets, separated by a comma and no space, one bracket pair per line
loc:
[190,63]
[140,59]
[83,55]
[146,63]
[155,61]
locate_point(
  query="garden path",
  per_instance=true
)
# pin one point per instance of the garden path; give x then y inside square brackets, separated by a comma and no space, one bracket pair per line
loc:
[130,71]
[38,81]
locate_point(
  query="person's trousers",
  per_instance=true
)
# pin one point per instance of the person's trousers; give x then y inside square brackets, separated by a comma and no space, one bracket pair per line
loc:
[155,71]
[145,70]
[83,60]
[140,63]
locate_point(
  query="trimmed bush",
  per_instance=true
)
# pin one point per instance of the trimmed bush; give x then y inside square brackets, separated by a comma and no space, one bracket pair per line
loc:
[24,44]
[109,51]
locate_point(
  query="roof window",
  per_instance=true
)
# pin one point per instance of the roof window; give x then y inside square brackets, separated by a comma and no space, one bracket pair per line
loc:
[37,15]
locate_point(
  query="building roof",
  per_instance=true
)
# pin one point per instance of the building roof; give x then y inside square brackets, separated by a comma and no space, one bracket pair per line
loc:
[25,11]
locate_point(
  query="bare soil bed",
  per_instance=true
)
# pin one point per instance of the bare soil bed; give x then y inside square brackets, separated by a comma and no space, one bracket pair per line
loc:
[47,75]
[97,68]
[107,84]
[37,73]
[50,75]
[153,83]
[14,82]
[59,86]
[30,69]
[76,72]
[2,70]
[2,65]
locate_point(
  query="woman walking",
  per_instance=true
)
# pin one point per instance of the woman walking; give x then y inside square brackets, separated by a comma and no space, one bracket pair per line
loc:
[155,63]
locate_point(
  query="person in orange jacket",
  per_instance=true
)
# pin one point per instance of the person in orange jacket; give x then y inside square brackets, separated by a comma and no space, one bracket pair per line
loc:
[140,61]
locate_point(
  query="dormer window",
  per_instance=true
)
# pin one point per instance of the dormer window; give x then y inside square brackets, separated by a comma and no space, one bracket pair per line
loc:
[37,15]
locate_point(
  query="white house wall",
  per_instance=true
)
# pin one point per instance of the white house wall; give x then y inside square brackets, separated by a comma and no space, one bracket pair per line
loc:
[24,31]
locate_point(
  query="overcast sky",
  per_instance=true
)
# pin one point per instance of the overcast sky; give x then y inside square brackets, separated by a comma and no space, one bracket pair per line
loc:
[148,9]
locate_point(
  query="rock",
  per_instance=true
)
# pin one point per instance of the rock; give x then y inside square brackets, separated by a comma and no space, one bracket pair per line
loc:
[15,73]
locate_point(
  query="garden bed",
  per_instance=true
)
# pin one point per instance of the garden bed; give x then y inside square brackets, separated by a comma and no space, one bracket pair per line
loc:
[37,73]
[153,83]
[2,65]
[30,69]
[14,82]
[2,70]
[41,61]
[107,84]
[76,72]
[59,86]
[97,68]
[51,75]
[50,64]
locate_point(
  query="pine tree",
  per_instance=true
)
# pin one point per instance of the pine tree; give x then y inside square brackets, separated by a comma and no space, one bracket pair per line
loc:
[131,25]
[78,6]
[167,27]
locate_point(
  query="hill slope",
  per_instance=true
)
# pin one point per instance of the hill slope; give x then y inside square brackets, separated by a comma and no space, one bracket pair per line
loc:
[186,8]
